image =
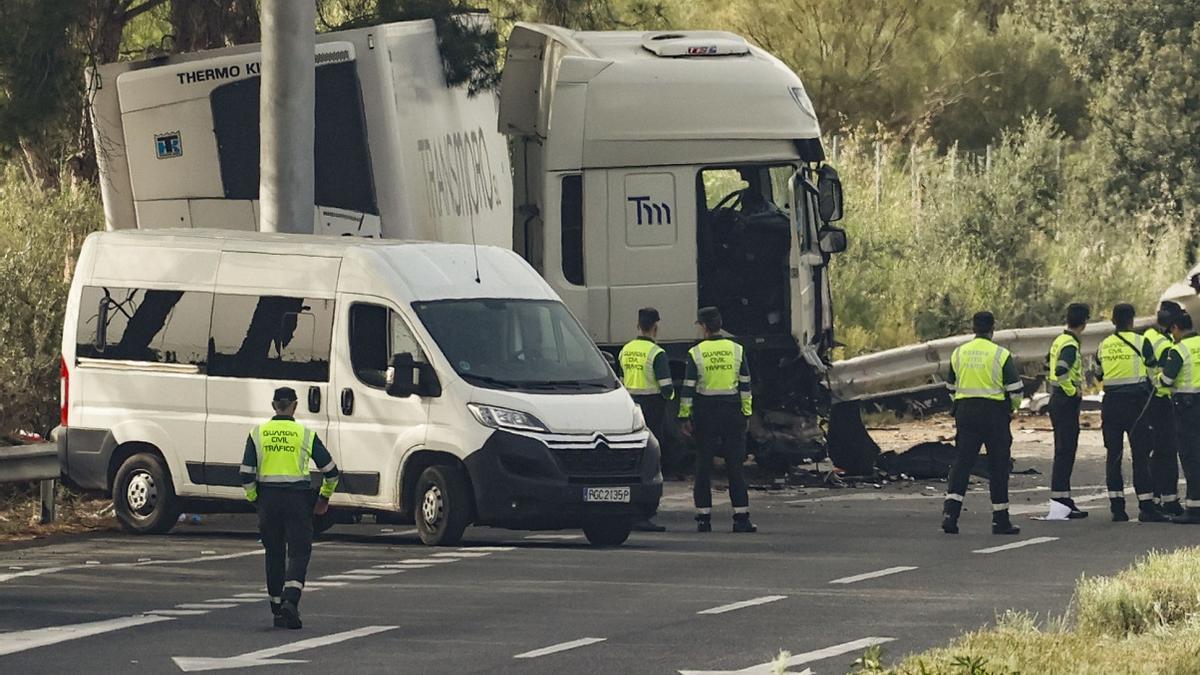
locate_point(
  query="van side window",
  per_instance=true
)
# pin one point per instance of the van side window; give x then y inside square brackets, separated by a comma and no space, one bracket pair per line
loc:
[148,325]
[376,334]
[572,229]
[271,337]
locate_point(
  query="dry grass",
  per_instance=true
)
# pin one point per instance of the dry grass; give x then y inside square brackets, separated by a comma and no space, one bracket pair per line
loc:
[20,511]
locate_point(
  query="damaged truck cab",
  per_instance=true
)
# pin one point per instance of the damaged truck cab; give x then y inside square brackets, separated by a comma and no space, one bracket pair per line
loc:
[680,170]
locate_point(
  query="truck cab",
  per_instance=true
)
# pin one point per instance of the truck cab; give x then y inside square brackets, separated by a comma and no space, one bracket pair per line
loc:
[679,170]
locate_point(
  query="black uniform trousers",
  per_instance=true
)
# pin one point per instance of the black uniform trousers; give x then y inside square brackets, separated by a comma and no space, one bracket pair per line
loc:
[654,409]
[1164,458]
[982,422]
[1064,417]
[720,430]
[285,522]
[1125,413]
[1187,418]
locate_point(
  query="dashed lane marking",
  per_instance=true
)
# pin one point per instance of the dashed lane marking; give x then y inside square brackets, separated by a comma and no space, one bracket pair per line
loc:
[256,598]
[205,605]
[312,585]
[555,537]
[560,647]
[799,659]
[401,566]
[462,554]
[489,549]
[178,612]
[349,577]
[742,605]
[426,561]
[21,640]
[874,575]
[373,571]
[1016,544]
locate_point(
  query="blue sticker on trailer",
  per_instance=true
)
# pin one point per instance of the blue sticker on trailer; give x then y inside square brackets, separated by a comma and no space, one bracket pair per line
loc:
[168,145]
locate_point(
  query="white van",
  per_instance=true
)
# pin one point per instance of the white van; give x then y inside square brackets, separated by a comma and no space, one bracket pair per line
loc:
[449,382]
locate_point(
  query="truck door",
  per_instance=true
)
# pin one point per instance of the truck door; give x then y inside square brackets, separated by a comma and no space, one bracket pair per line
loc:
[272,327]
[575,246]
[372,428]
[810,290]
[652,249]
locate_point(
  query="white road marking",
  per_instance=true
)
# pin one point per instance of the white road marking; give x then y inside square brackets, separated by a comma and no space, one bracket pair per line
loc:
[892,496]
[38,572]
[265,657]
[742,605]
[178,612]
[873,575]
[314,585]
[401,566]
[463,554]
[799,659]
[204,557]
[208,552]
[490,549]
[19,641]
[555,537]
[1016,544]
[426,561]
[561,647]
[401,533]
[256,598]
[372,571]
[349,577]
[205,605]
[92,562]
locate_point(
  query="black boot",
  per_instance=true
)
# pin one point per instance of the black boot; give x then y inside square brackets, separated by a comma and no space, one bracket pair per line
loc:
[1149,512]
[1172,508]
[704,522]
[1117,507]
[1002,525]
[290,615]
[1191,516]
[950,510]
[1076,512]
[279,620]
[741,523]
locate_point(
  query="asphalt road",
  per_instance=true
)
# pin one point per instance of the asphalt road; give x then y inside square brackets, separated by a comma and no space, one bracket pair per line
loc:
[829,572]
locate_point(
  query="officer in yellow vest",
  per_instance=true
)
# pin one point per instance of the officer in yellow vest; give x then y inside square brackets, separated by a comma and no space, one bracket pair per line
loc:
[275,475]
[646,374]
[1164,457]
[1181,372]
[1066,391]
[1124,364]
[986,389]
[718,380]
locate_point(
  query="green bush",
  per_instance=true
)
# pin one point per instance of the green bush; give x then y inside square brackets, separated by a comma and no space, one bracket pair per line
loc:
[40,235]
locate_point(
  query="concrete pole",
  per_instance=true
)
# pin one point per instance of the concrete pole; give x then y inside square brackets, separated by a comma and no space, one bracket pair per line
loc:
[286,105]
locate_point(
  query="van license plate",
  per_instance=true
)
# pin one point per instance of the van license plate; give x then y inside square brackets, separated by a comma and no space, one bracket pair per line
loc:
[606,494]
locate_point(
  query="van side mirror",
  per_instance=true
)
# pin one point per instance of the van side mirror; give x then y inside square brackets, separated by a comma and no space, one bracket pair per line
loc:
[832,240]
[407,376]
[829,194]
[101,326]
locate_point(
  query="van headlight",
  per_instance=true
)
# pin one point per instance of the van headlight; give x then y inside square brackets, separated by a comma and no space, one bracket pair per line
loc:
[639,418]
[505,418]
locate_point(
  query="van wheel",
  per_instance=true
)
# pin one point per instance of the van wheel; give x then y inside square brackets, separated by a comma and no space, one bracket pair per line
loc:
[607,532]
[443,508]
[144,497]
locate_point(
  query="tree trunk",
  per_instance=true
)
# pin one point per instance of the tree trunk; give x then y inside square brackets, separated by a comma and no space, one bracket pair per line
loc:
[39,169]
[207,24]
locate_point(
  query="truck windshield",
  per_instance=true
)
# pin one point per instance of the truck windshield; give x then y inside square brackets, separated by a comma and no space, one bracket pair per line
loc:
[527,345]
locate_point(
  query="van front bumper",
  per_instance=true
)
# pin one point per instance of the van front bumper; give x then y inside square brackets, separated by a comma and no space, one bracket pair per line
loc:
[520,483]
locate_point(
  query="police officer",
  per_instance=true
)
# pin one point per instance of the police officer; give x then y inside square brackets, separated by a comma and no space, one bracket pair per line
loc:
[646,374]
[1164,457]
[718,377]
[1065,363]
[275,476]
[1124,365]
[1181,372]
[986,389]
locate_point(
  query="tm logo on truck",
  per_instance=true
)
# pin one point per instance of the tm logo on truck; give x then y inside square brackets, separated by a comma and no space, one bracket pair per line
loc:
[168,145]
[650,212]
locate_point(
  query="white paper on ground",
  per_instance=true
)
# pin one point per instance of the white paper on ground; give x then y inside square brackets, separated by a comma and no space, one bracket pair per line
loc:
[1057,512]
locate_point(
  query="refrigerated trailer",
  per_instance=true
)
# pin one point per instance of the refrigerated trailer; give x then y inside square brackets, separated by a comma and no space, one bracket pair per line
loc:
[672,169]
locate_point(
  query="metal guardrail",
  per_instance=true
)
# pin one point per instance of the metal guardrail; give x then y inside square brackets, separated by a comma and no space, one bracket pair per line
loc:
[38,462]
[914,366]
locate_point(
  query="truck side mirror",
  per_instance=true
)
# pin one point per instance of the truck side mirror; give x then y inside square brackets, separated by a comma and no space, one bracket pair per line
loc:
[829,194]
[832,240]
[403,378]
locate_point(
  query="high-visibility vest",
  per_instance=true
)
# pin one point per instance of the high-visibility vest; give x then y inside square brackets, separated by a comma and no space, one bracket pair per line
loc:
[1122,359]
[284,448]
[1161,345]
[637,366]
[1074,378]
[718,363]
[978,370]
[1188,380]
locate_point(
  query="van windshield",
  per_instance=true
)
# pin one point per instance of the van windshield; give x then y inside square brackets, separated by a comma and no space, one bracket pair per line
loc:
[527,345]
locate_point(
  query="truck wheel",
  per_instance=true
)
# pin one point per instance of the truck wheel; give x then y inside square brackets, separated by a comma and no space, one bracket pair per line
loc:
[607,532]
[443,507]
[144,497]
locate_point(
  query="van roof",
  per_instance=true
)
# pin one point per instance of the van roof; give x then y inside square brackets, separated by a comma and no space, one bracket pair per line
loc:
[317,264]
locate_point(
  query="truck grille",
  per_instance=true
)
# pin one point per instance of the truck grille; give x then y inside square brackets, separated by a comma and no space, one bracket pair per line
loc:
[599,462]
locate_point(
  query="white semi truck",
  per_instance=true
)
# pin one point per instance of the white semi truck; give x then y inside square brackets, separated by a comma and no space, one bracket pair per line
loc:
[671,169]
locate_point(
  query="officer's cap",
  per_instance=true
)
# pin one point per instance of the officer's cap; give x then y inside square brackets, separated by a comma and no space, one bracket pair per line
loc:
[285,395]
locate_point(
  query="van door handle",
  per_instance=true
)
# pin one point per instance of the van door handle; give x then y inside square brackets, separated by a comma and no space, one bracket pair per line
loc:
[314,400]
[347,401]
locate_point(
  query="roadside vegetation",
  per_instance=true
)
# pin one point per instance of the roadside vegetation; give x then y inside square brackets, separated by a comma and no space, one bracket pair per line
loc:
[1145,619]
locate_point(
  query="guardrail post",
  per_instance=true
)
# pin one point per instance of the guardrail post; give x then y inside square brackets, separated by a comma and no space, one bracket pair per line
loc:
[48,490]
